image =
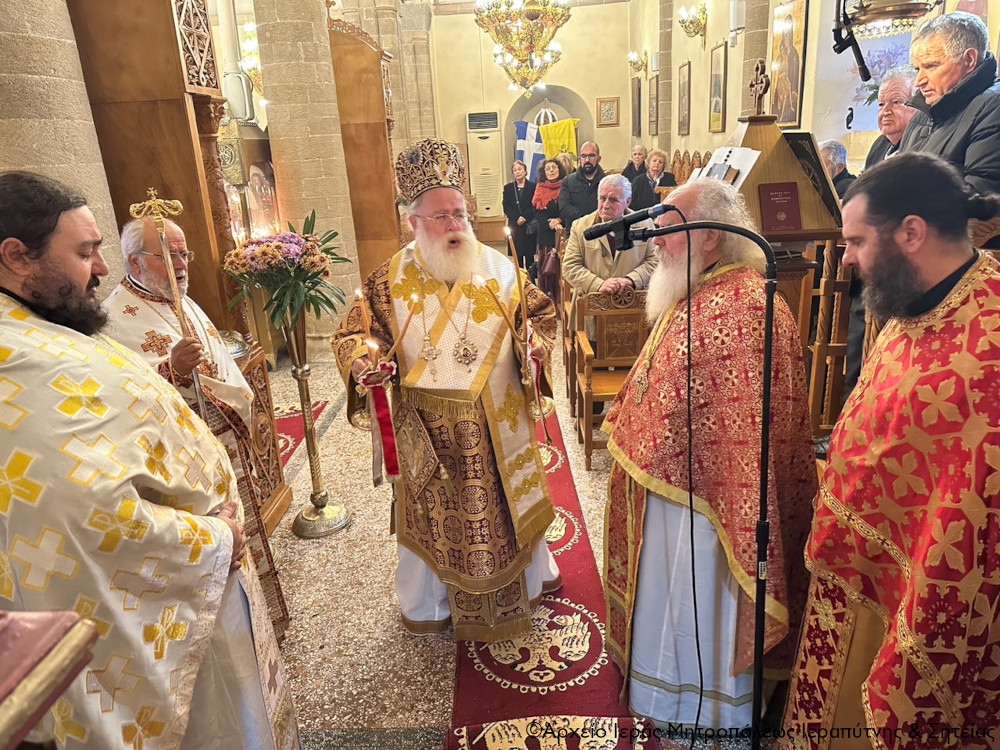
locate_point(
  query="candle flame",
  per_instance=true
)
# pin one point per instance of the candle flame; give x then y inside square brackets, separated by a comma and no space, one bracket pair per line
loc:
[372,345]
[358,293]
[506,230]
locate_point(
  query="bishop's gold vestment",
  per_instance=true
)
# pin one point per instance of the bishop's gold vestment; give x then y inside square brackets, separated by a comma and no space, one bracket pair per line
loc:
[473,501]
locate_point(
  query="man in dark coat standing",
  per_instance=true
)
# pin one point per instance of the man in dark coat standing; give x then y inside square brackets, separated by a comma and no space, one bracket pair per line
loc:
[579,191]
[958,99]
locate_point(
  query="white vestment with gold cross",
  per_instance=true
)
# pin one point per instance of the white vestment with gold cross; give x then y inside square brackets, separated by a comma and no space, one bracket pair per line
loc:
[108,487]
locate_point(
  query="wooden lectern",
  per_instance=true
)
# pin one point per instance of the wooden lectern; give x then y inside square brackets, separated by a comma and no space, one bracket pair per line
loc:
[798,175]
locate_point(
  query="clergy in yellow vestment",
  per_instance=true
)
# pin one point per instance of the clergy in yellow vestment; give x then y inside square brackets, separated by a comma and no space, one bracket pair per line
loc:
[472,502]
[117,502]
[648,537]
[143,316]
[900,644]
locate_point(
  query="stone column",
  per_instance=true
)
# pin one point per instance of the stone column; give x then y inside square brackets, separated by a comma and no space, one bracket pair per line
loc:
[388,36]
[46,120]
[755,47]
[304,128]
[665,68]
[418,108]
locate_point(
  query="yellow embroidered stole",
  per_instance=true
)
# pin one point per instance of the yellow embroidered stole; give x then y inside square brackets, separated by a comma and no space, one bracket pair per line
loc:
[493,376]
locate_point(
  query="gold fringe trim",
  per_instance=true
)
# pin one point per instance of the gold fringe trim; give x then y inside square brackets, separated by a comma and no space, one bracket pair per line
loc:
[450,409]
[512,627]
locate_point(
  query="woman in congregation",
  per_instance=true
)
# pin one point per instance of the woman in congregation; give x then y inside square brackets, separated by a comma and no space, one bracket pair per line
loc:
[644,186]
[546,204]
[637,164]
[520,215]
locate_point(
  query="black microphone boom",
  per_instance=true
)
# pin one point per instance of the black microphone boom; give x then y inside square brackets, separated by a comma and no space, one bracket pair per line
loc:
[624,222]
[842,42]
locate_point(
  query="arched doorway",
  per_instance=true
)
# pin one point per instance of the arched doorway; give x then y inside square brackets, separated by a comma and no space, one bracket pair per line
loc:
[563,101]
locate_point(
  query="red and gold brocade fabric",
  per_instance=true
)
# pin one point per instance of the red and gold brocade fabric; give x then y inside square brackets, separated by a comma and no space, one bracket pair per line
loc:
[908,527]
[648,439]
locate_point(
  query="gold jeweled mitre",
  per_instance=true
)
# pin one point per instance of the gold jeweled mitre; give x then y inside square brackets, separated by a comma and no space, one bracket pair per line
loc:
[427,164]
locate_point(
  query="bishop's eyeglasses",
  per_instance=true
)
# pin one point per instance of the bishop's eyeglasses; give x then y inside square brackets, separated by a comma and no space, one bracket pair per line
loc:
[441,220]
[186,255]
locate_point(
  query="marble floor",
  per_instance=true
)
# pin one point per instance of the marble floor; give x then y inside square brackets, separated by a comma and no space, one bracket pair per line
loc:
[359,680]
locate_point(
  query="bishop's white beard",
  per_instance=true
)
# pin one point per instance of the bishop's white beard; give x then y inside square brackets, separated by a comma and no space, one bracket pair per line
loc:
[445,262]
[669,283]
[158,287]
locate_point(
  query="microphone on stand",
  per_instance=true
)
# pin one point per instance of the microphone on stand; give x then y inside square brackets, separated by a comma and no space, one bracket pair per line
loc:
[618,228]
[843,42]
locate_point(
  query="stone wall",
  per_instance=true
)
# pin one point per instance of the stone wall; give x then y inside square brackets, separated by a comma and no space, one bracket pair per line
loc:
[45,119]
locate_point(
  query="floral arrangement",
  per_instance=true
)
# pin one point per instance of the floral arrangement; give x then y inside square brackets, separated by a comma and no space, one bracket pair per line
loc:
[880,61]
[292,269]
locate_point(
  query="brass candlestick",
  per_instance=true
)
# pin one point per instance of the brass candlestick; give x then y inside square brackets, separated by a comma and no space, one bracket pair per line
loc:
[320,518]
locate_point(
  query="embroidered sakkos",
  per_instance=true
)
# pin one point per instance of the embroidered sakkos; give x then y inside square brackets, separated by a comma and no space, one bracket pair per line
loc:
[648,439]
[906,538]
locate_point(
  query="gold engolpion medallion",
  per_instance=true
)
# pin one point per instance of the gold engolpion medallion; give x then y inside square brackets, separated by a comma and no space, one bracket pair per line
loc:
[465,352]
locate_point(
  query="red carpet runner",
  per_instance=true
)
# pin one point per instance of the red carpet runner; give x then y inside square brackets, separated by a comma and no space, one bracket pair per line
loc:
[556,682]
[288,425]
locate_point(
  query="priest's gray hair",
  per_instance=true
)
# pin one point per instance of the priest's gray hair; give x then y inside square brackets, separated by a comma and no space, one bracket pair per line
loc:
[959,31]
[619,181]
[716,200]
[133,235]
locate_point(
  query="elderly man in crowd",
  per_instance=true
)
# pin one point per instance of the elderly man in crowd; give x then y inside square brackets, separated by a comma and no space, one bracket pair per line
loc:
[648,524]
[894,114]
[578,196]
[472,503]
[122,506]
[590,266]
[900,635]
[144,317]
[834,157]
[958,98]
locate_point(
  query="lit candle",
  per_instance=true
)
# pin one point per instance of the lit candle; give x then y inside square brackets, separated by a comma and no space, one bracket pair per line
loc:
[510,244]
[524,303]
[406,324]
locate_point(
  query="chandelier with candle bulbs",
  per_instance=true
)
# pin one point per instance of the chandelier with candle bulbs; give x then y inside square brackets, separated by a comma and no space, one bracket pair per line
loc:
[523,31]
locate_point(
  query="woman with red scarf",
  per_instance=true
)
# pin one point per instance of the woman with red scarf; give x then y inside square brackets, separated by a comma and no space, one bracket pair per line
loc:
[546,203]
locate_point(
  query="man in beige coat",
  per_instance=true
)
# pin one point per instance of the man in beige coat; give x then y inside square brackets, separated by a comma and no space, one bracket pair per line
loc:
[588,265]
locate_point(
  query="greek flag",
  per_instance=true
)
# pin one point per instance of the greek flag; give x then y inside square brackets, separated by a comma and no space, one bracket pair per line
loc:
[529,147]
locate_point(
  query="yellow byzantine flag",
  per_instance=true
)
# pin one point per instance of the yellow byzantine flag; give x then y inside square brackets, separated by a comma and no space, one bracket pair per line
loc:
[559,138]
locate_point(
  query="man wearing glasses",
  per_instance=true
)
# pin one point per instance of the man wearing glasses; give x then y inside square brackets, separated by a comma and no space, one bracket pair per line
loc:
[144,318]
[472,502]
[578,196]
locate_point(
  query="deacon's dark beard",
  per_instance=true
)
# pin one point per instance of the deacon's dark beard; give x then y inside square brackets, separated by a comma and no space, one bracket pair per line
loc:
[66,305]
[892,284]
[588,169]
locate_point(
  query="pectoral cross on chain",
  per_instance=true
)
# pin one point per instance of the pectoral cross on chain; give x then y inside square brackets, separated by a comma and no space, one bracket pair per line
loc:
[429,353]
[641,385]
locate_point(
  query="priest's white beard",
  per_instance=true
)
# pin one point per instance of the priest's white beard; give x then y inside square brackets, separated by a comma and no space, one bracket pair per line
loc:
[669,284]
[450,257]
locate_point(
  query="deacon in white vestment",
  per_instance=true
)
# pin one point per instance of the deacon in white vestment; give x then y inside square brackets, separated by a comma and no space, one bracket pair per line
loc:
[472,503]
[118,503]
[144,318]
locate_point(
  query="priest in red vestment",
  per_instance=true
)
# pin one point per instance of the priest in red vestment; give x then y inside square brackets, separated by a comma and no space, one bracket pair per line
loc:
[900,645]
[648,557]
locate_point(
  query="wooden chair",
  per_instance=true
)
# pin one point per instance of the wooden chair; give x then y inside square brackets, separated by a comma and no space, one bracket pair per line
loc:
[620,320]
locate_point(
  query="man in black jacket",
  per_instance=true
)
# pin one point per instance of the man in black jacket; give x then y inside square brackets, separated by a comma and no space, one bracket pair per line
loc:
[958,98]
[894,113]
[578,196]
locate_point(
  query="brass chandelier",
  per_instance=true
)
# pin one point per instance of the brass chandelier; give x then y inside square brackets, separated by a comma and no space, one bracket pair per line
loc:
[523,31]
[872,19]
